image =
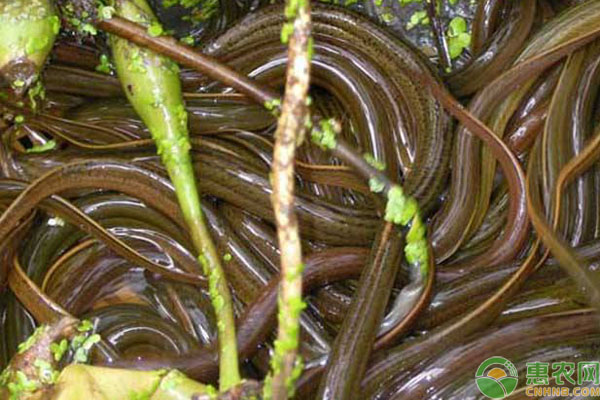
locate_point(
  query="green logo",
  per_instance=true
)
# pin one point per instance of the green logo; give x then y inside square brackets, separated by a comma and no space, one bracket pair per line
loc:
[496,377]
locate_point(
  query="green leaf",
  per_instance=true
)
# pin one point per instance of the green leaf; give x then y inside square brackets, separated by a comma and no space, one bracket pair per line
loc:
[409,210]
[326,137]
[286,31]
[416,252]
[155,29]
[189,40]
[81,354]
[106,12]
[59,349]
[419,17]
[89,342]
[457,26]
[378,165]
[85,326]
[376,186]
[458,37]
[457,44]
[31,340]
[387,17]
[464,39]
[45,371]
[24,383]
[395,205]
[88,28]
[104,66]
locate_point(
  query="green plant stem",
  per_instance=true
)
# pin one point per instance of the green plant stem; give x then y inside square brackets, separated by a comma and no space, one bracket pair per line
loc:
[28,29]
[152,85]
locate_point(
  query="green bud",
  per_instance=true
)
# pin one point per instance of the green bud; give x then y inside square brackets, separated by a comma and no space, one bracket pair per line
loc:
[394,208]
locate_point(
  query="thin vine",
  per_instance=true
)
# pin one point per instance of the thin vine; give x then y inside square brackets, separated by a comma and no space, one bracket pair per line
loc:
[286,366]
